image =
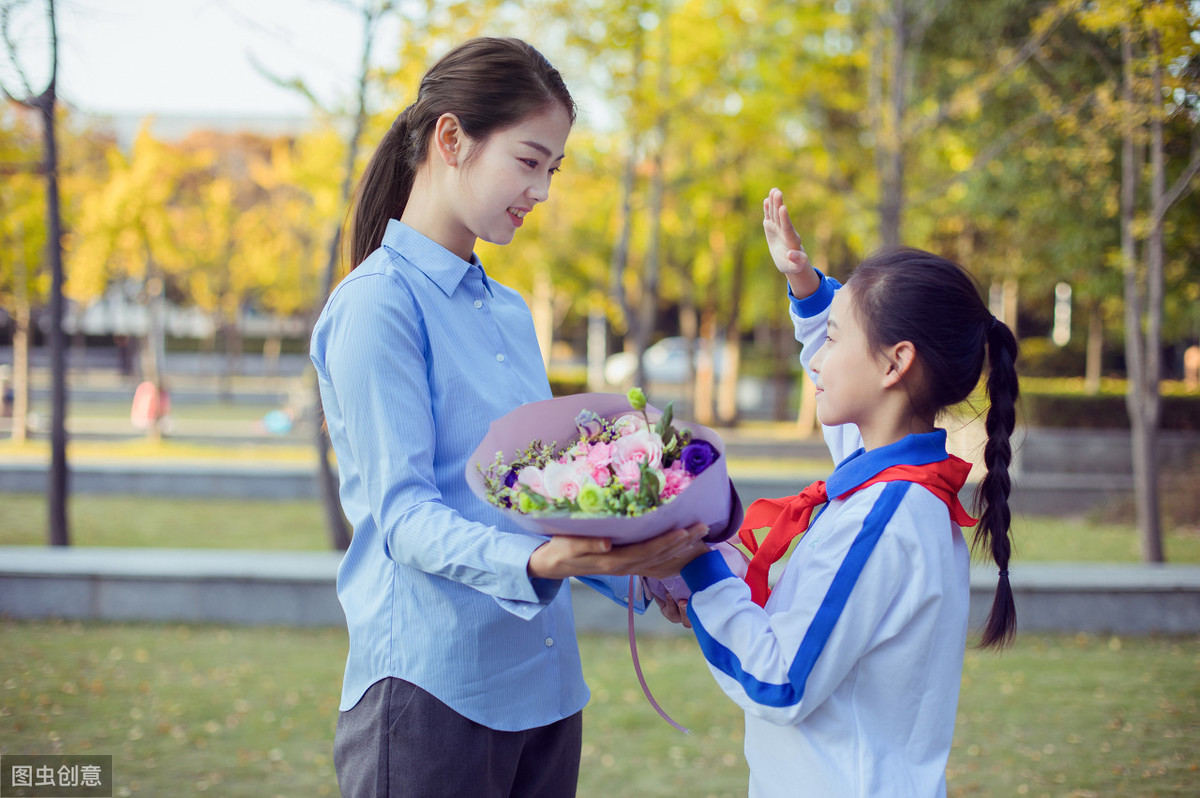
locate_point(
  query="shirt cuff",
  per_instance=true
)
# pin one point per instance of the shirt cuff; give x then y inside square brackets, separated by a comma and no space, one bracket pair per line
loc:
[817,302]
[705,571]
[533,594]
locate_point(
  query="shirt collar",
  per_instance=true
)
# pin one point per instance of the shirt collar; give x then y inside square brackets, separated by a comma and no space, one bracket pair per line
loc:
[439,264]
[916,449]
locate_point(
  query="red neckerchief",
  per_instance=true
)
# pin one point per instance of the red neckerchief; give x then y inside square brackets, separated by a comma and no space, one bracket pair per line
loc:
[788,517]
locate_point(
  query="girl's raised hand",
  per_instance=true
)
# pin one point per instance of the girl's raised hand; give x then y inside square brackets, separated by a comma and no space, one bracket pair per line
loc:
[787,250]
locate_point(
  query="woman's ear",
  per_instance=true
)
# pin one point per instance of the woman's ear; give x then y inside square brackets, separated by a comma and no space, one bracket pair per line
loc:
[449,139]
[901,359]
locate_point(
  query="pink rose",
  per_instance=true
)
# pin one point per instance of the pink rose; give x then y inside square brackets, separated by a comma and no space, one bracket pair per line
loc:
[628,425]
[563,480]
[600,475]
[629,473]
[639,447]
[599,455]
[533,478]
[675,479]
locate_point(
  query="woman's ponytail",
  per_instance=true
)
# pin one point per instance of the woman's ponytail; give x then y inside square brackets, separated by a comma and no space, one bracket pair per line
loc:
[992,497]
[384,187]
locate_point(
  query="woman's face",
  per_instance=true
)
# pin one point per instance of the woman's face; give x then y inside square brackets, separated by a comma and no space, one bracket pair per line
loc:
[510,173]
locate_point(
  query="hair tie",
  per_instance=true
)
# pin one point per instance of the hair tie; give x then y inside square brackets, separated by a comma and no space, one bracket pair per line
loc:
[1004,573]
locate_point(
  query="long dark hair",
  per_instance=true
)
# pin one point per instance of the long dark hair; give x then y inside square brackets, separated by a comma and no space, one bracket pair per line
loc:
[908,294]
[489,84]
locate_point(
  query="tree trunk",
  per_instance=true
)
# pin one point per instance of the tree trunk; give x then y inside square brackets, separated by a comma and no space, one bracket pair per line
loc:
[597,346]
[272,349]
[1095,350]
[727,404]
[652,268]
[619,261]
[543,312]
[154,352]
[21,338]
[890,133]
[231,346]
[335,521]
[1150,515]
[58,487]
[1145,486]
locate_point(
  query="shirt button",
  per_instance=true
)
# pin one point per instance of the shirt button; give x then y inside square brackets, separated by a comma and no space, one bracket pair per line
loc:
[478,303]
[549,641]
[500,358]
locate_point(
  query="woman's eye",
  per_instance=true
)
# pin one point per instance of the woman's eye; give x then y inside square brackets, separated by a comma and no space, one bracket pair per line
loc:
[532,164]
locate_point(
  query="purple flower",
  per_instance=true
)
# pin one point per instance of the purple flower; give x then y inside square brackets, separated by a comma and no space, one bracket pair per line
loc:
[698,455]
[511,479]
[589,424]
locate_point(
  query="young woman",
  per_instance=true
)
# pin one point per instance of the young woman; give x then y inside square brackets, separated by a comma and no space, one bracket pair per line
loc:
[463,676]
[849,669]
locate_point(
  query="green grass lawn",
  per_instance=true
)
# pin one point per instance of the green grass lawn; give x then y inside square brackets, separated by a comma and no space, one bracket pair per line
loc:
[191,710]
[280,525]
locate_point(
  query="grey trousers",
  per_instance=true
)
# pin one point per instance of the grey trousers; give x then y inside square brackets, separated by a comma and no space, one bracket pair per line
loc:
[400,742]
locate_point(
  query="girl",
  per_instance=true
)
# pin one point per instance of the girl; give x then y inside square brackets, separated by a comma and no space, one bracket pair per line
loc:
[463,675]
[849,670]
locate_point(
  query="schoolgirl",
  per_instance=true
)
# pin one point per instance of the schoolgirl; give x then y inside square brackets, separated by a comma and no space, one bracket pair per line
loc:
[463,675]
[848,669]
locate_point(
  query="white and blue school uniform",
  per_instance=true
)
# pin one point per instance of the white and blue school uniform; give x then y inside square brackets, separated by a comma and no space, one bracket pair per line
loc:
[849,675]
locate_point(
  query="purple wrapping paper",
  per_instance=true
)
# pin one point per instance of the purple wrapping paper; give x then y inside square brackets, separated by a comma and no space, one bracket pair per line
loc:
[710,498]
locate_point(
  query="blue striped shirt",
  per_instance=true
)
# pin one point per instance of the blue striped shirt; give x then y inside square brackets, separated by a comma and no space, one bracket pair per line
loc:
[416,353]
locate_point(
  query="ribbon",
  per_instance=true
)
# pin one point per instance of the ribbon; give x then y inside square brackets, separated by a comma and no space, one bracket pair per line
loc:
[637,665]
[789,516]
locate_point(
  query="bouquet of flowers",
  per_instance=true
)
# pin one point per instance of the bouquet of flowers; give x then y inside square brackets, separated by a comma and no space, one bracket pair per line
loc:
[605,465]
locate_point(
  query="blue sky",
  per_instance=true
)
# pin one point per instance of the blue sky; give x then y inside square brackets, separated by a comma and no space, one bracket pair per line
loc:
[194,57]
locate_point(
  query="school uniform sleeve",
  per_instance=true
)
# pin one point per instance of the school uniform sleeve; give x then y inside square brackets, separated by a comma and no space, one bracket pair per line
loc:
[810,317]
[374,359]
[859,582]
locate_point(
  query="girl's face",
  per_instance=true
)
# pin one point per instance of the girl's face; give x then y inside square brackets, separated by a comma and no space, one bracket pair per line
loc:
[849,376]
[509,174]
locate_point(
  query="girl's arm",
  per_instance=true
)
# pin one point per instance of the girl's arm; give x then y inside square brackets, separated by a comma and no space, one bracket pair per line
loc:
[810,293]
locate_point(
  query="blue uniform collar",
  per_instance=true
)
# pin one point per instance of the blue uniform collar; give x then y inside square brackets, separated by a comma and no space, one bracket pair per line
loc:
[917,449]
[445,269]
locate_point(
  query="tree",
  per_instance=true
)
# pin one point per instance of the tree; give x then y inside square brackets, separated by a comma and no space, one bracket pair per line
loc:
[129,230]
[23,237]
[1156,42]
[45,103]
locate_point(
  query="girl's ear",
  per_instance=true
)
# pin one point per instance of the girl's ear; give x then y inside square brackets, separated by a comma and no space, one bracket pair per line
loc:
[449,139]
[901,359]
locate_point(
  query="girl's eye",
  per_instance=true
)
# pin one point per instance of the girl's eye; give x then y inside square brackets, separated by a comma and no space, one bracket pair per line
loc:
[532,164]
[555,170]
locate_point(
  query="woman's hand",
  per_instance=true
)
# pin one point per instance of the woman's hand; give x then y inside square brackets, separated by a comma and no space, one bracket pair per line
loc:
[786,248]
[564,555]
